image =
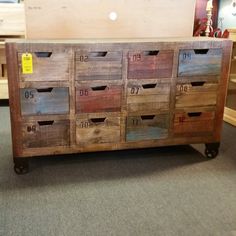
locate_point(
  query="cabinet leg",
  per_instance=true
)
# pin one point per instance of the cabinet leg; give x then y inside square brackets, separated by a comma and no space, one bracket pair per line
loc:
[21,165]
[212,150]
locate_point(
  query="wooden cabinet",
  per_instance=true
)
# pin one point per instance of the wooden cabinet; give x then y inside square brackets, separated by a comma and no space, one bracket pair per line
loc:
[83,96]
[230,108]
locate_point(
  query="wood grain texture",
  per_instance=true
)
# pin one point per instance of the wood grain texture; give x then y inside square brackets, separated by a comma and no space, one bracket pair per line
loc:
[95,65]
[36,101]
[98,97]
[150,64]
[147,127]
[51,66]
[97,128]
[200,62]
[90,19]
[45,133]
[198,93]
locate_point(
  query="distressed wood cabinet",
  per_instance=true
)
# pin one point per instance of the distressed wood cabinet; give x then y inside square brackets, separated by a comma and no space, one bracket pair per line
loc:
[96,95]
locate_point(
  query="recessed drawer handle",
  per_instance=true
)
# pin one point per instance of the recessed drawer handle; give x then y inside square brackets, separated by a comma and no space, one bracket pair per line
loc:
[149,86]
[151,53]
[200,83]
[99,88]
[97,54]
[98,120]
[43,54]
[148,117]
[44,123]
[201,51]
[45,90]
[194,114]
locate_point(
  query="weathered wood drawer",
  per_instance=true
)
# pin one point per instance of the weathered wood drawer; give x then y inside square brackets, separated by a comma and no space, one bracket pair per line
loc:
[3,67]
[198,93]
[148,95]
[150,64]
[44,101]
[147,127]
[47,66]
[45,133]
[98,97]
[98,65]
[98,128]
[200,62]
[194,122]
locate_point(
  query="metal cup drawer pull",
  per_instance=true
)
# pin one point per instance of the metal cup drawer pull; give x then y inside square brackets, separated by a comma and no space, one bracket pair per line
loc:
[99,88]
[43,54]
[194,114]
[149,86]
[151,53]
[97,54]
[44,90]
[198,84]
[148,117]
[45,123]
[201,51]
[98,120]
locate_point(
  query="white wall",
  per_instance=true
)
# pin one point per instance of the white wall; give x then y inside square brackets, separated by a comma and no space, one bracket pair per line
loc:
[225,13]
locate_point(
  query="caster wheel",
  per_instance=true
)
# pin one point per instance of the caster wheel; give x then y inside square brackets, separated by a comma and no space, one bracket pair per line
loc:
[21,166]
[211,153]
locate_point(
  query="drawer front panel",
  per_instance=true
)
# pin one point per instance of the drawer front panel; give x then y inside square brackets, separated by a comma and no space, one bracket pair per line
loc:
[200,62]
[150,64]
[99,65]
[143,96]
[44,101]
[196,94]
[47,66]
[98,98]
[46,133]
[197,122]
[97,129]
[147,127]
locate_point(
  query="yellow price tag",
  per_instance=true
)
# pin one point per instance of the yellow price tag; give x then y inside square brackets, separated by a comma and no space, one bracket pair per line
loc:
[27,63]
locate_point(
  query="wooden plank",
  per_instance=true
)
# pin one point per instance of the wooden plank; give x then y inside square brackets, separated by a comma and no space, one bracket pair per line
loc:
[95,65]
[200,62]
[12,19]
[47,66]
[91,19]
[98,97]
[3,89]
[230,116]
[198,93]
[147,127]
[45,133]
[97,128]
[150,64]
[36,101]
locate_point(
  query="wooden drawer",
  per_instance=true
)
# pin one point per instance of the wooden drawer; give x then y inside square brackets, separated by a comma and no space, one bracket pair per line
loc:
[47,66]
[150,64]
[98,128]
[98,97]
[194,122]
[45,133]
[3,66]
[147,127]
[44,101]
[200,62]
[148,95]
[198,93]
[98,65]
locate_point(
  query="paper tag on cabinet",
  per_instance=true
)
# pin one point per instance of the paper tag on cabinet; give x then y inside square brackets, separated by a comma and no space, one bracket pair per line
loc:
[27,63]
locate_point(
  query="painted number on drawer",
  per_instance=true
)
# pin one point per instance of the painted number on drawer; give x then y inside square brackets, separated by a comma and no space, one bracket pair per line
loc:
[84,124]
[83,58]
[187,56]
[31,128]
[181,119]
[135,122]
[134,90]
[29,94]
[183,88]
[136,57]
[83,92]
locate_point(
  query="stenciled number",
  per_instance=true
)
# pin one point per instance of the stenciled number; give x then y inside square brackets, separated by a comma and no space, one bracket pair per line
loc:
[136,57]
[187,56]
[84,124]
[83,92]
[31,128]
[181,119]
[135,122]
[183,88]
[29,94]
[83,58]
[134,90]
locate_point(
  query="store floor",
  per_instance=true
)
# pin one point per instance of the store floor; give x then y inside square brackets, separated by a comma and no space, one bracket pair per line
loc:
[162,191]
